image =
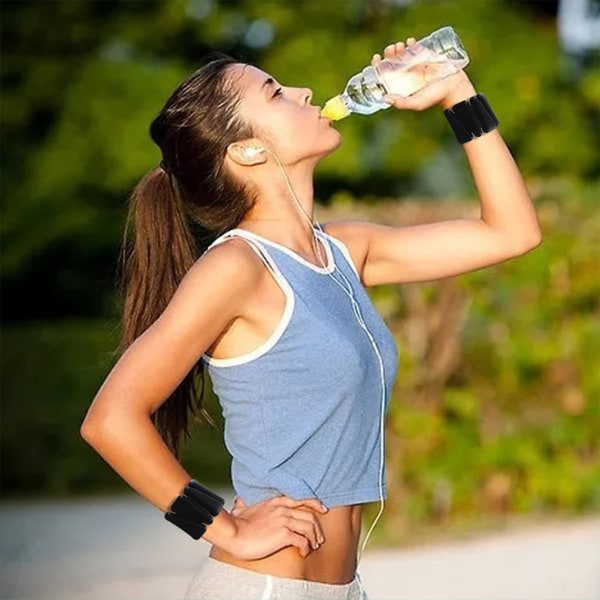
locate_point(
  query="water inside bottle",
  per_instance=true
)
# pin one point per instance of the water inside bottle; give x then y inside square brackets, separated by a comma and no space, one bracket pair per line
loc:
[422,69]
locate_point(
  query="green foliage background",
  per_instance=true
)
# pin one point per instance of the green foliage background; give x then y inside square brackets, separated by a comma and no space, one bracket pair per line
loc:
[510,424]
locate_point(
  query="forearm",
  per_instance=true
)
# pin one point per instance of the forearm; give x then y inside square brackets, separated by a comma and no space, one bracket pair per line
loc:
[132,446]
[506,206]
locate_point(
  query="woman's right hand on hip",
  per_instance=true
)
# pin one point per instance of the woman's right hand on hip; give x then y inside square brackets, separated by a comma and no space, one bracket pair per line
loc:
[275,523]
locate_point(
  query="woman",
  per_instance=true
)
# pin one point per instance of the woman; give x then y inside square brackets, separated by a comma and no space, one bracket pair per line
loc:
[226,270]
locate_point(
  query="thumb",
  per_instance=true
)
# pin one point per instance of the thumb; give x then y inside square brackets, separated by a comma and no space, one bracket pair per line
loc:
[238,506]
[396,100]
[412,102]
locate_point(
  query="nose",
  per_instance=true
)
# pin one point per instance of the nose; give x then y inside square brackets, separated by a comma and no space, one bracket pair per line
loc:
[307,94]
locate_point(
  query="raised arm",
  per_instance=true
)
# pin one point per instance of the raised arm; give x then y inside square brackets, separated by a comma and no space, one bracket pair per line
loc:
[507,225]
[118,425]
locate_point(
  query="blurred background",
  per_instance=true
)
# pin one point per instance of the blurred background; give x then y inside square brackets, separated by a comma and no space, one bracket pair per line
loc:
[496,409]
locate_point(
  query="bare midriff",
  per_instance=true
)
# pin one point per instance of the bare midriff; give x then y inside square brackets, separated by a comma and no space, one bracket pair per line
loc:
[333,562]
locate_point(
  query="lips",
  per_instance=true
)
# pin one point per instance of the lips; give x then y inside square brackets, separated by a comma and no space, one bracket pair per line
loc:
[320,116]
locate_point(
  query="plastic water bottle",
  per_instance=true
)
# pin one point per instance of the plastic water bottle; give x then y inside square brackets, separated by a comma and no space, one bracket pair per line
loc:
[434,57]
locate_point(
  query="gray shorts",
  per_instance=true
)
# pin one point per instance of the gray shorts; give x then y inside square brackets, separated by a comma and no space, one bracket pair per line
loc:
[218,580]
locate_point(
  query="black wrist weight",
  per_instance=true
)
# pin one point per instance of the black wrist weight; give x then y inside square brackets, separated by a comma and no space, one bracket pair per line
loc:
[471,118]
[194,509]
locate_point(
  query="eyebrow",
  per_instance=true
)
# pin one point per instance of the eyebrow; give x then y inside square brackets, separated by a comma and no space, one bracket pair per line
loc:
[267,81]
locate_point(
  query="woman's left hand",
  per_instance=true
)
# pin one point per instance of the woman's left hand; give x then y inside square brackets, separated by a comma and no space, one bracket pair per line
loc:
[444,92]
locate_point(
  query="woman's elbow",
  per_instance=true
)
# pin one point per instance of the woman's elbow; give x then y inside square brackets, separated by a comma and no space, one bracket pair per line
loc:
[95,425]
[532,239]
[535,238]
[89,430]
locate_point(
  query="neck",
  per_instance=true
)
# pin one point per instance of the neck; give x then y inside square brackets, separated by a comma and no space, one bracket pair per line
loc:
[277,215]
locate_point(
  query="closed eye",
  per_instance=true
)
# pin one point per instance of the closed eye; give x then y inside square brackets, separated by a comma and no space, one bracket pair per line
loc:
[277,92]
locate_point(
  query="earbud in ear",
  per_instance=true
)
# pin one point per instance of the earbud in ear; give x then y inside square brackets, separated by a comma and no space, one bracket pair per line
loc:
[253,151]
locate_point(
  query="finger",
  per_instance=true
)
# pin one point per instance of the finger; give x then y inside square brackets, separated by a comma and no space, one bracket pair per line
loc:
[313,503]
[304,526]
[411,40]
[295,539]
[399,47]
[376,59]
[413,102]
[389,50]
[318,506]
[398,101]
[312,519]
[238,507]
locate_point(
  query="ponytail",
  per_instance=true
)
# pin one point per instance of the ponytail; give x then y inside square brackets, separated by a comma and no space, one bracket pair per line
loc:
[153,265]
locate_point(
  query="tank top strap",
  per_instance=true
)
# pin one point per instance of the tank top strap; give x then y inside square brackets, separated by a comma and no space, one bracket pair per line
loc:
[258,248]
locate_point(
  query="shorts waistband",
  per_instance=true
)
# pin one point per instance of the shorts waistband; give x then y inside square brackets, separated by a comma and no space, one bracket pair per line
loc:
[320,589]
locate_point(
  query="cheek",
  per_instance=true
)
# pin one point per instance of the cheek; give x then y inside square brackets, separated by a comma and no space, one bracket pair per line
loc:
[308,130]
[276,127]
[294,134]
[292,126]
[289,133]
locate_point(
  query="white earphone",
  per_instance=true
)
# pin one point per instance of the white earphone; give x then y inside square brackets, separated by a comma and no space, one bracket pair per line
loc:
[253,151]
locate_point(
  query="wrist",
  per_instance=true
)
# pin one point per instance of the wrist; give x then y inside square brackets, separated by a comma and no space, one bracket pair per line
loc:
[471,118]
[195,509]
[222,531]
[462,91]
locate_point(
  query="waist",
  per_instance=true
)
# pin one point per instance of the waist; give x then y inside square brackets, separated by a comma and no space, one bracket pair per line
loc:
[333,562]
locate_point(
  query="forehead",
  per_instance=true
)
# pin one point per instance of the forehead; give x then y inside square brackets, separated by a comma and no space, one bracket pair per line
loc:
[250,79]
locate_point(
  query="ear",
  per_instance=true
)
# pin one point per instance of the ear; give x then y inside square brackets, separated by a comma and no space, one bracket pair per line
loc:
[237,151]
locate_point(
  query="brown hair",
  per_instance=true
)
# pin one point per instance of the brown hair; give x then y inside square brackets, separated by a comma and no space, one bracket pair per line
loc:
[176,211]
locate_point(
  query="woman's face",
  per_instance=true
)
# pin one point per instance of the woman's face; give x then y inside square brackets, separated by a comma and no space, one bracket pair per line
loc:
[283,116]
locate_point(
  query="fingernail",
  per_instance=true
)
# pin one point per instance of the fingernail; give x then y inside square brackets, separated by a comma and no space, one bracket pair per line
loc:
[324,507]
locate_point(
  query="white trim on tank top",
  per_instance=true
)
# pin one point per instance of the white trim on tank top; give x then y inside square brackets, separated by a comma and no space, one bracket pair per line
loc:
[330,260]
[285,317]
[344,250]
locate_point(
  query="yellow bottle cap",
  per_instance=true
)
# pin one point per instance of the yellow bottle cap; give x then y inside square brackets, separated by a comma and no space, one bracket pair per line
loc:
[335,109]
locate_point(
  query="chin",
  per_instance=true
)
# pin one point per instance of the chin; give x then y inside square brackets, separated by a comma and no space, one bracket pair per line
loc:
[327,150]
[335,144]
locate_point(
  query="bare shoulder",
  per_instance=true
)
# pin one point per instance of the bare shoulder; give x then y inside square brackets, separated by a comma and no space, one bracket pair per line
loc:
[230,254]
[231,266]
[216,288]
